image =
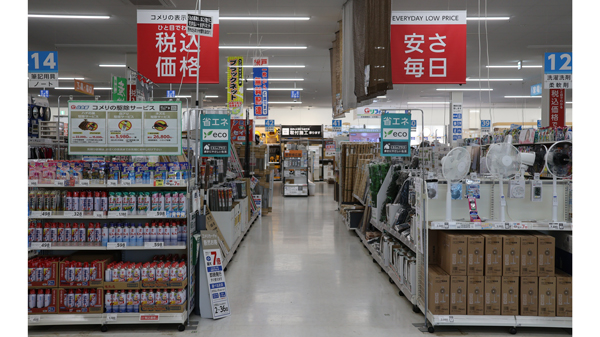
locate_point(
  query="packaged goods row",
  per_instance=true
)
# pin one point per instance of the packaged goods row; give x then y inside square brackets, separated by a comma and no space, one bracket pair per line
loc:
[171,233]
[134,203]
[220,199]
[98,172]
[122,301]
[546,296]
[149,271]
[495,254]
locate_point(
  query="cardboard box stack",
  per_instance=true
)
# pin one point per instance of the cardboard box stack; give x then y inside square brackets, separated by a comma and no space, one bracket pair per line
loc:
[498,273]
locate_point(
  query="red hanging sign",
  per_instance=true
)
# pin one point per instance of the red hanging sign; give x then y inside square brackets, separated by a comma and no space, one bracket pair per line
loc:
[167,54]
[557,108]
[429,47]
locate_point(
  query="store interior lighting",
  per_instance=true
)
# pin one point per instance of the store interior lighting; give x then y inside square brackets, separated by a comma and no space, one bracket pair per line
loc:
[262,47]
[494,79]
[515,66]
[266,18]
[413,103]
[112,65]
[285,102]
[464,89]
[522,96]
[61,16]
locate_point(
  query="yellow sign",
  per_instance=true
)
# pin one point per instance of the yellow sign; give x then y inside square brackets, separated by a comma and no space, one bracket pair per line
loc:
[235,85]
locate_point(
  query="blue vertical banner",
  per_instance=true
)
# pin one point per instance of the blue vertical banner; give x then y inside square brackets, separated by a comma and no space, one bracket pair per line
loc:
[261,92]
[395,135]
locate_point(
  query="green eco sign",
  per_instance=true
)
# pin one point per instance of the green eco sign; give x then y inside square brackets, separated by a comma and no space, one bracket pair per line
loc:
[119,89]
[395,135]
[215,139]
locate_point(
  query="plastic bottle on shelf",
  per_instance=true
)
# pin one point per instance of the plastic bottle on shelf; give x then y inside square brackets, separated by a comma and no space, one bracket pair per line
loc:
[168,201]
[118,201]
[183,232]
[70,299]
[104,235]
[68,233]
[144,271]
[150,297]
[173,271]
[82,232]
[129,272]
[97,233]
[122,301]
[132,235]
[137,271]
[146,233]
[108,301]
[139,236]
[93,271]
[152,272]
[123,273]
[60,232]
[108,273]
[103,202]
[85,299]
[82,201]
[91,233]
[32,298]
[136,301]
[174,236]
[89,201]
[46,235]
[167,234]
[85,271]
[115,272]
[47,298]
[153,232]
[165,297]
[78,272]
[39,233]
[160,230]
[115,301]
[119,233]
[93,298]
[143,297]
[129,299]
[78,298]
[70,267]
[172,297]
[158,297]
[125,234]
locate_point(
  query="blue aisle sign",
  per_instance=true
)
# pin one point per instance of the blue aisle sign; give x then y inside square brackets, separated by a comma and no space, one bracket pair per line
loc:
[269,125]
[395,135]
[42,67]
[170,93]
[486,125]
[536,89]
[558,71]
[413,123]
[45,93]
[336,125]
[261,92]
[215,136]
[456,121]
[295,93]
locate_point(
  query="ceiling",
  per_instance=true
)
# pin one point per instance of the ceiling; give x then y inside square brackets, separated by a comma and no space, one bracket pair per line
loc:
[535,27]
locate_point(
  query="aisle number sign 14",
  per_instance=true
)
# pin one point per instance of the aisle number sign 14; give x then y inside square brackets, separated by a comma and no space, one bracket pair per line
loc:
[42,67]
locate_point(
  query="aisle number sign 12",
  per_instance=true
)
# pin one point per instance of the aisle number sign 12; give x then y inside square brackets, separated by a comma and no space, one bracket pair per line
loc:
[558,71]
[213,262]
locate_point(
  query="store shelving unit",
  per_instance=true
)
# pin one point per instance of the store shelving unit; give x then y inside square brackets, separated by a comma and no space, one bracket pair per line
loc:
[237,242]
[296,160]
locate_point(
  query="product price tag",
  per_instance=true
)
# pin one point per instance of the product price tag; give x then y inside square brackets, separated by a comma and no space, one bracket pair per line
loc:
[465,225]
[116,245]
[73,214]
[517,225]
[112,183]
[159,182]
[111,317]
[153,317]
[98,214]
[154,244]
[34,318]
[83,182]
[125,182]
[559,226]
[446,319]
[41,214]
[117,214]
[41,245]
[501,225]
[32,183]
[157,214]
[61,182]
[443,225]
[173,182]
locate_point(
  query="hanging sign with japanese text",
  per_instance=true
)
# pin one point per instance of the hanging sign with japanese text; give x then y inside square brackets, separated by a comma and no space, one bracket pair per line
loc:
[557,107]
[235,86]
[302,131]
[168,54]
[215,275]
[486,125]
[558,71]
[215,136]
[261,88]
[395,135]
[370,112]
[119,88]
[84,88]
[336,125]
[269,125]
[429,47]
[199,25]
[124,128]
[238,129]
[42,67]
[457,112]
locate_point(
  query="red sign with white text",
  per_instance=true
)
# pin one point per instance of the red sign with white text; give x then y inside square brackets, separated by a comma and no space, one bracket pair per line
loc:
[429,47]
[167,54]
[557,108]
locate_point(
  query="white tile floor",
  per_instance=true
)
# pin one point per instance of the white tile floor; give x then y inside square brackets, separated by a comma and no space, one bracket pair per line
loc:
[299,272]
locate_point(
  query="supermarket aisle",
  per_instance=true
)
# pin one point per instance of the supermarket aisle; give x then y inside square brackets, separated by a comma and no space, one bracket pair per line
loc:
[299,272]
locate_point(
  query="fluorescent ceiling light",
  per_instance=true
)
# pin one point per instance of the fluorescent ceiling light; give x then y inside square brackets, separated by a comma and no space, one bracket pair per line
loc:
[266,18]
[71,88]
[461,89]
[286,79]
[522,96]
[112,65]
[262,47]
[211,96]
[285,102]
[280,89]
[278,66]
[515,66]
[70,78]
[569,102]
[183,96]
[489,18]
[494,79]
[381,96]
[52,16]
[427,103]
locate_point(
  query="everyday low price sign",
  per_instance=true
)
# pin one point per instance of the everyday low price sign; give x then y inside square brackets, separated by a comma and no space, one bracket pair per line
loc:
[395,135]
[215,136]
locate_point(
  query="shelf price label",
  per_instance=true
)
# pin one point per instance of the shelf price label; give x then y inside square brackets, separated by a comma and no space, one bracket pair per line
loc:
[58,182]
[159,182]
[74,214]
[125,182]
[117,214]
[147,317]
[446,319]
[157,214]
[41,245]
[98,214]
[111,317]
[112,183]
[41,214]
[83,182]
[116,245]
[518,225]
[559,226]
[154,244]
[34,318]
[32,183]
[173,182]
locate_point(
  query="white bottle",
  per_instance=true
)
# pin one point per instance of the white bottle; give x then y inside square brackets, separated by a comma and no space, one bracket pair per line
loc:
[160,230]
[108,274]
[167,235]
[174,236]
[32,298]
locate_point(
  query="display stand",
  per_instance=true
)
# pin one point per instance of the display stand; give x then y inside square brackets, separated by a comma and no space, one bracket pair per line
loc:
[295,168]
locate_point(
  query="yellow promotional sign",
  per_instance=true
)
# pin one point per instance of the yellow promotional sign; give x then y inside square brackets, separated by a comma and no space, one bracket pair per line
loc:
[235,85]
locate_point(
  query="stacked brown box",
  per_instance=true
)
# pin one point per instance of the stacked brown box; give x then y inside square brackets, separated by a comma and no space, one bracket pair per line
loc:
[529,296]
[493,292]
[493,254]
[529,249]
[439,291]
[475,292]
[511,248]
[453,253]
[475,255]
[547,296]
[510,295]
[546,252]
[458,295]
[564,294]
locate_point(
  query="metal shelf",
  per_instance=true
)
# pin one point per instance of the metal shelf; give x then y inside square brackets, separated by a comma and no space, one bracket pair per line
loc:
[66,319]
[394,276]
[538,143]
[90,217]
[546,322]
[496,225]
[237,241]
[498,320]
[135,318]
[110,187]
[53,247]
[359,199]
[402,239]
[377,224]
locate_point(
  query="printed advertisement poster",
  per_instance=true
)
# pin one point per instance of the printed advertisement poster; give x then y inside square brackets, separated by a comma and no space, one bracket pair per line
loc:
[168,54]
[124,128]
[395,135]
[235,86]
[213,262]
[238,130]
[119,88]
[429,47]
[215,136]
